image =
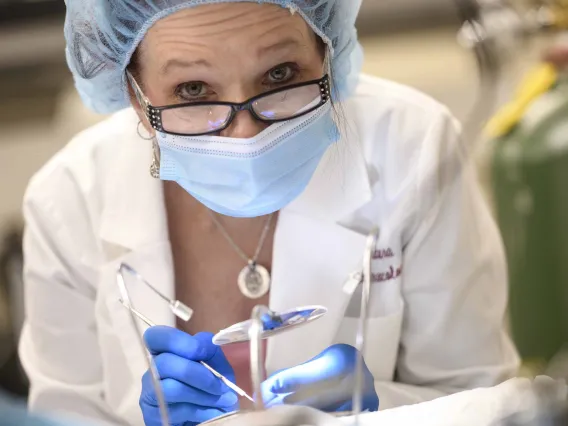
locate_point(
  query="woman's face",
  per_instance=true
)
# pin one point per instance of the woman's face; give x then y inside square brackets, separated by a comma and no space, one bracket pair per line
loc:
[227,52]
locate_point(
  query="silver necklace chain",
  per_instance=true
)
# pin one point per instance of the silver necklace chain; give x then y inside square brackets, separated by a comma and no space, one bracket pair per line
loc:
[240,252]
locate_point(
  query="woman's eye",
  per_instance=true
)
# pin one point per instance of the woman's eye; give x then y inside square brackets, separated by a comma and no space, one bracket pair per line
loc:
[191,91]
[281,74]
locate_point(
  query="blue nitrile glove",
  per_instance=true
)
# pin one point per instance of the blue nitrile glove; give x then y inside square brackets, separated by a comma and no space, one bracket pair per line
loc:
[193,394]
[326,382]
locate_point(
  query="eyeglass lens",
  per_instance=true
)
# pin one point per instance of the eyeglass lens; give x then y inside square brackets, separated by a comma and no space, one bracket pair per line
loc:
[197,119]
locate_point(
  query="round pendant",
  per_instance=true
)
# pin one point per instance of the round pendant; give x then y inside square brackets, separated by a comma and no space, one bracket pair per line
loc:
[254,281]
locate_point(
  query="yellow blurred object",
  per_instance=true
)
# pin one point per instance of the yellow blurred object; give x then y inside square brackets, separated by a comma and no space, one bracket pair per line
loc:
[536,83]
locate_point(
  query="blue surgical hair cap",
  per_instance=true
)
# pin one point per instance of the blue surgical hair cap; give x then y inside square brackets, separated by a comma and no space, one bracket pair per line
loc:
[102,36]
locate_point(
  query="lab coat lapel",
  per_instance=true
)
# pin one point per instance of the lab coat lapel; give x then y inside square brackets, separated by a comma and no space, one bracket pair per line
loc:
[312,261]
[314,254]
[134,231]
[154,263]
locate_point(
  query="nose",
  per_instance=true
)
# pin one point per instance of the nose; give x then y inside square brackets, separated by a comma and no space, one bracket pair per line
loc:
[244,126]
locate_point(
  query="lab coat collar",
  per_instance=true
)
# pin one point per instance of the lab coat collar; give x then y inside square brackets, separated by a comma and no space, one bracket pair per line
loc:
[340,185]
[134,212]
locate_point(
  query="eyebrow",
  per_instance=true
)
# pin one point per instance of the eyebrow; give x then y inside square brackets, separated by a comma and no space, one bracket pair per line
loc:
[282,44]
[180,63]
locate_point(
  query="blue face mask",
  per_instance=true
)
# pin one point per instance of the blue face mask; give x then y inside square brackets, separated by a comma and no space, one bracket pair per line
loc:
[249,177]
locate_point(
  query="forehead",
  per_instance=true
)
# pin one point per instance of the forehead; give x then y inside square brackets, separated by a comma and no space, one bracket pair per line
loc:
[229,27]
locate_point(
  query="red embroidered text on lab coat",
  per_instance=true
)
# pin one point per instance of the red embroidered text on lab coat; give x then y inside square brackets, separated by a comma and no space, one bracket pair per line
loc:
[391,274]
[383,253]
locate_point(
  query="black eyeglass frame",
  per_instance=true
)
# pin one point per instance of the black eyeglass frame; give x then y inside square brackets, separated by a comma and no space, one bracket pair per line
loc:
[154,114]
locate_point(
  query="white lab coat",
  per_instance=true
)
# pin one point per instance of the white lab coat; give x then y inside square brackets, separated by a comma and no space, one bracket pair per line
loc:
[437,303]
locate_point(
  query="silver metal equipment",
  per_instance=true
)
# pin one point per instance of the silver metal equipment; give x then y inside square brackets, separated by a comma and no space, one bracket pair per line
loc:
[292,415]
[273,323]
[263,324]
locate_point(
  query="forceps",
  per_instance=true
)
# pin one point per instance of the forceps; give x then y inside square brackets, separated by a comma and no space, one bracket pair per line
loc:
[179,309]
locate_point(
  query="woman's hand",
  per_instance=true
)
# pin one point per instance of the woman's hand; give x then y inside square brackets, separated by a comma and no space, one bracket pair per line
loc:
[193,394]
[326,382]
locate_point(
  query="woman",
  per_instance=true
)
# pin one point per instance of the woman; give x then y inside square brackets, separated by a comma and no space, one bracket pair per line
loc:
[276,171]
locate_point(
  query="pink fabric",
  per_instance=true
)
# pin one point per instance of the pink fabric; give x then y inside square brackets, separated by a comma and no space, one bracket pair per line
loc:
[238,355]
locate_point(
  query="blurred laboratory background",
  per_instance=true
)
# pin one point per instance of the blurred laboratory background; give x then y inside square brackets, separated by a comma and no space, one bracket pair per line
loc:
[410,41]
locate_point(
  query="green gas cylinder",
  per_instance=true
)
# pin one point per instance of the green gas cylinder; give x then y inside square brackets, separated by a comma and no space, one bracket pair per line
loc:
[530,188]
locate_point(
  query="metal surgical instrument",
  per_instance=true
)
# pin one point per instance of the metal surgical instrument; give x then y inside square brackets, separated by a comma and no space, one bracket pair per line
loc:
[176,307]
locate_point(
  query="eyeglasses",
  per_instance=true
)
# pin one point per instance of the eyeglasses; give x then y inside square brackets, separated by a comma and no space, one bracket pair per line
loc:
[203,118]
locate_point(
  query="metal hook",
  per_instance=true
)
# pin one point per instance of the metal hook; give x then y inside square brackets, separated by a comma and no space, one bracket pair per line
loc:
[256,354]
[125,299]
[178,308]
[181,311]
[371,244]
